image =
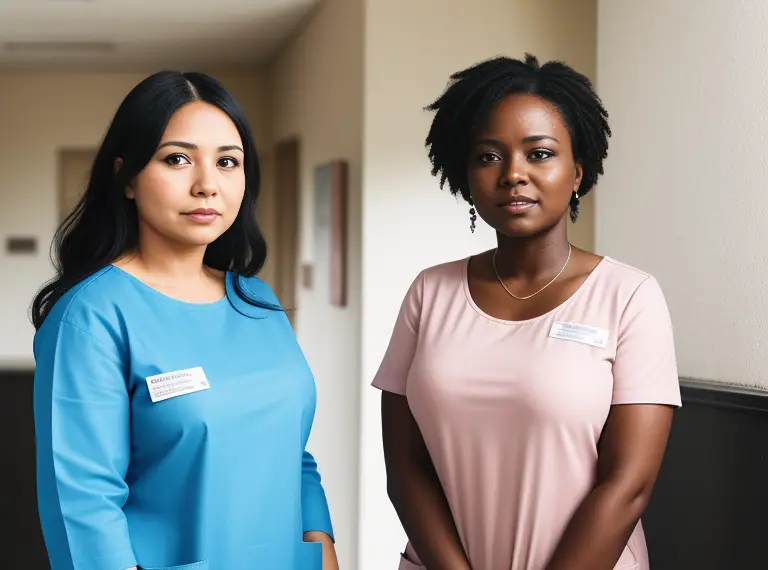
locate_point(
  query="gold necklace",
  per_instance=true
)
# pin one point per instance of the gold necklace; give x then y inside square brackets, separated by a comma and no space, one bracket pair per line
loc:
[567,259]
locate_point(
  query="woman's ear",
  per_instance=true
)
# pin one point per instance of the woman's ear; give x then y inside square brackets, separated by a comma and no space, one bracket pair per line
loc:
[578,178]
[129,193]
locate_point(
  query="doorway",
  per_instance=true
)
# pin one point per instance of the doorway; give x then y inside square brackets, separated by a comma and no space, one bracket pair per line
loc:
[287,189]
[74,170]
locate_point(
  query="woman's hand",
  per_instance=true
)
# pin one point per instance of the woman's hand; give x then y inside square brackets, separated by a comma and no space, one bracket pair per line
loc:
[330,562]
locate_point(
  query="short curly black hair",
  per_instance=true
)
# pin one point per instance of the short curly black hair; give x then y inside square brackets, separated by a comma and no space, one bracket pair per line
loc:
[472,93]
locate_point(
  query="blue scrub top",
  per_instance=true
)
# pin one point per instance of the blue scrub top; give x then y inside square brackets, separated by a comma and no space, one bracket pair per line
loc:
[214,479]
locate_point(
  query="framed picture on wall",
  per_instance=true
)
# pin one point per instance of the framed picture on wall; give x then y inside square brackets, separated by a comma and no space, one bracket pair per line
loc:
[330,228]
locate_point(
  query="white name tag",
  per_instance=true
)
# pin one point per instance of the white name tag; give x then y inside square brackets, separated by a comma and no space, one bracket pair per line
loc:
[584,334]
[172,384]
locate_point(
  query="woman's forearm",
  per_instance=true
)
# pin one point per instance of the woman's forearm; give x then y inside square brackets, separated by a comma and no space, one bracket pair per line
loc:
[599,530]
[426,517]
[330,562]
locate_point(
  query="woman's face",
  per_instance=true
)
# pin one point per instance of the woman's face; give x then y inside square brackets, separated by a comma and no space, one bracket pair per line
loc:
[521,170]
[191,190]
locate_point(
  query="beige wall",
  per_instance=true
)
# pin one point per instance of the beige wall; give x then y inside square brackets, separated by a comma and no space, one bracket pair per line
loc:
[684,195]
[41,113]
[351,85]
[408,223]
[317,95]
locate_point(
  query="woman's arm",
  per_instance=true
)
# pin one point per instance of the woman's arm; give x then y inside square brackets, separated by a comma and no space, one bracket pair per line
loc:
[412,484]
[315,512]
[82,431]
[630,454]
[415,490]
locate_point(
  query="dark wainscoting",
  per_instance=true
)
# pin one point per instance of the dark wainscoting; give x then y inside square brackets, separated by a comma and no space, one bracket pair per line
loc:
[21,541]
[710,504]
[709,510]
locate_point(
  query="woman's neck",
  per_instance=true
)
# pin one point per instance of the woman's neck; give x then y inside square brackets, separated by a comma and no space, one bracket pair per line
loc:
[177,268]
[165,262]
[534,257]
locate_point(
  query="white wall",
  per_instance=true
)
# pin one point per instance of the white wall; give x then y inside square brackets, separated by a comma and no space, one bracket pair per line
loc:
[684,195]
[41,113]
[317,85]
[408,224]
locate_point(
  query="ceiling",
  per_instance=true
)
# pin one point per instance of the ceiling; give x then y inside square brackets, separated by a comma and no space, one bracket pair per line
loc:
[120,34]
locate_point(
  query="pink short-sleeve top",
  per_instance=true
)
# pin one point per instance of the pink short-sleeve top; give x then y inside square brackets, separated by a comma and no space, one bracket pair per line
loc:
[512,411]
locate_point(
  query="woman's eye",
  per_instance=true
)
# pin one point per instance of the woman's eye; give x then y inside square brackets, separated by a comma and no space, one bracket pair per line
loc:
[489,157]
[228,162]
[541,154]
[176,159]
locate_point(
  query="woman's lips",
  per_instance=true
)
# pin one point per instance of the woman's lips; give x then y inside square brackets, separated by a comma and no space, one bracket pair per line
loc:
[518,204]
[202,215]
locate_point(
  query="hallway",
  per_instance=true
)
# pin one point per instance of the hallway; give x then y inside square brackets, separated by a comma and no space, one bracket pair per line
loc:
[345,82]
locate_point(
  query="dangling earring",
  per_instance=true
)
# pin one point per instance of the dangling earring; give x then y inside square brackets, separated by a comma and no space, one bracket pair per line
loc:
[472,216]
[574,205]
[575,199]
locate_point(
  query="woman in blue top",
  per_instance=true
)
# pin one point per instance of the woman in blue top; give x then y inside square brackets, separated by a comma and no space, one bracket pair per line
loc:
[172,402]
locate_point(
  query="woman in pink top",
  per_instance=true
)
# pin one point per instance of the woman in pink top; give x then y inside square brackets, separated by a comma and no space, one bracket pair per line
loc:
[528,390]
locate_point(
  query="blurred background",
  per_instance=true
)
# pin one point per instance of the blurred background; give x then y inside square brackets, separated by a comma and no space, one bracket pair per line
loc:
[683,197]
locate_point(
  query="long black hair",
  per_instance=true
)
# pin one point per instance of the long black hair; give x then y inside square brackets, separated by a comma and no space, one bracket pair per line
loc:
[473,92]
[104,224]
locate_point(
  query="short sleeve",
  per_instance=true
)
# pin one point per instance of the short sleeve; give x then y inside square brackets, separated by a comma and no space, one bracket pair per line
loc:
[645,367]
[393,370]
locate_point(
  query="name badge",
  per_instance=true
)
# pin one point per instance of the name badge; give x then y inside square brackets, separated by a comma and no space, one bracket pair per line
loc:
[179,383]
[584,334]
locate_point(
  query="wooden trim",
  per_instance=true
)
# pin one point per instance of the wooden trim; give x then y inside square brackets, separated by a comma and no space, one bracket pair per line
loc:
[703,393]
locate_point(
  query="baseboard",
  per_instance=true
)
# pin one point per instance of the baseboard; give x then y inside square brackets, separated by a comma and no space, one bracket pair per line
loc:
[728,396]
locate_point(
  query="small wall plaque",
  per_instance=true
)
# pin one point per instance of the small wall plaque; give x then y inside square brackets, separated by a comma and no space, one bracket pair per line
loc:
[21,245]
[306,276]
